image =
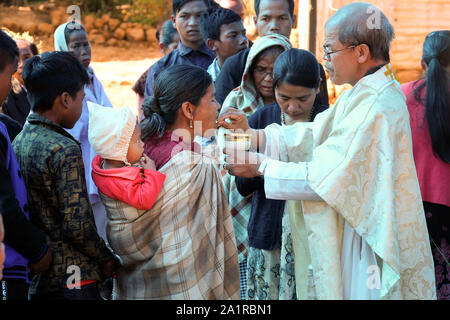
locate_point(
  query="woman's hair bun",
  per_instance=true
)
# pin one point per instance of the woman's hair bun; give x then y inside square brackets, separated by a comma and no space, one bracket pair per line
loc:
[151,106]
[153,123]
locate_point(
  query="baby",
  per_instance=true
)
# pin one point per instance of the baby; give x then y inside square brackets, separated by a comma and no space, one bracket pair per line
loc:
[120,170]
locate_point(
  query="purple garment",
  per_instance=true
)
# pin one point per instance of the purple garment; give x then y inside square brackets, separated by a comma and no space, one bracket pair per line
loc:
[202,58]
[13,258]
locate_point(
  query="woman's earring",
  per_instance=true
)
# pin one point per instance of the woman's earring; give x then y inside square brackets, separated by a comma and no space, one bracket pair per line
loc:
[191,124]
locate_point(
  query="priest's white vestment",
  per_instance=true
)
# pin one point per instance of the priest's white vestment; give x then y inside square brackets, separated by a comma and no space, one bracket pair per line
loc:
[363,215]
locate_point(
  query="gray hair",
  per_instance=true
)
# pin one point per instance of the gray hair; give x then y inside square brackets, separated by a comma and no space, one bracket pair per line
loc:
[363,23]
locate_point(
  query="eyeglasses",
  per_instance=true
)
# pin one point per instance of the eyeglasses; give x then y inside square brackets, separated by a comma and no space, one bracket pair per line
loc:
[263,72]
[328,52]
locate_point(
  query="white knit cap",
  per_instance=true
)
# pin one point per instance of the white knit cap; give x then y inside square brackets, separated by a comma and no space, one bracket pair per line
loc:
[110,131]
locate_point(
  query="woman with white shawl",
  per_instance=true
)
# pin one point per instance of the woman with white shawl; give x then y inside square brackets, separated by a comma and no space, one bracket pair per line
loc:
[72,37]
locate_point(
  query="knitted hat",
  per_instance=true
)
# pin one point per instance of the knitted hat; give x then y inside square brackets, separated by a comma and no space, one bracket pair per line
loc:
[110,131]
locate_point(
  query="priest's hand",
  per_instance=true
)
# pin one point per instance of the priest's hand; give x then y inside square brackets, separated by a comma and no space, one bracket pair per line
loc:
[241,163]
[237,120]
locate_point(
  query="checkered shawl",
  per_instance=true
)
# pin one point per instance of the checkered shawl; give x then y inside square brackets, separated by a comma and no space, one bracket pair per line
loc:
[241,208]
[184,247]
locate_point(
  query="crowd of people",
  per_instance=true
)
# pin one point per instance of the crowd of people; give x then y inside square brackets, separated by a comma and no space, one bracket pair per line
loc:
[350,201]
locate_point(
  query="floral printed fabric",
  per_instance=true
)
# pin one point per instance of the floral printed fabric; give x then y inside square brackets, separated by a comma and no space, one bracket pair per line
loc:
[271,273]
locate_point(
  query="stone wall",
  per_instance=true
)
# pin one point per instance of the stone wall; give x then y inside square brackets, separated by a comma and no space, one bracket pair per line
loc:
[105,30]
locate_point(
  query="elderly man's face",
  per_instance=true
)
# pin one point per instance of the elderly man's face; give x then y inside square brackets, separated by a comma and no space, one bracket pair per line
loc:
[341,63]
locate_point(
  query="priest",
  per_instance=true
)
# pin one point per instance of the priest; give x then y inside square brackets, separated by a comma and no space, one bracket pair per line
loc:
[358,211]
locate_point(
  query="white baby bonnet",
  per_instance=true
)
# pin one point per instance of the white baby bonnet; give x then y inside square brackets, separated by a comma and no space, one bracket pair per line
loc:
[110,131]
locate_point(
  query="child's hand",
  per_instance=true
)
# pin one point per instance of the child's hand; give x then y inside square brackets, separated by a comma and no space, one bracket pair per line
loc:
[147,163]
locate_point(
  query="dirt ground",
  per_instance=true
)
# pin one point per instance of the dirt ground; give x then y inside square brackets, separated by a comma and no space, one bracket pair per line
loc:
[118,75]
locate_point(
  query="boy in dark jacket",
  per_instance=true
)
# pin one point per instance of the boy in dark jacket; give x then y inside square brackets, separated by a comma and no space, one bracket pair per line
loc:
[53,169]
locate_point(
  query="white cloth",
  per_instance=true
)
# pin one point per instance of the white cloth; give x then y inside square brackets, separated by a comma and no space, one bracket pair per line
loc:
[358,263]
[110,131]
[100,219]
[214,69]
[357,157]
[60,38]
[287,181]
[94,93]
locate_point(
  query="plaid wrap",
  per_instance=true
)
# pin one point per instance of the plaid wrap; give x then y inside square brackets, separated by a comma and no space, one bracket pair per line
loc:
[182,248]
[240,208]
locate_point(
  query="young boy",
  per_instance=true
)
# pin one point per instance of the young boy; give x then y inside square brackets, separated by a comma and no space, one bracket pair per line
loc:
[191,50]
[224,33]
[24,244]
[53,169]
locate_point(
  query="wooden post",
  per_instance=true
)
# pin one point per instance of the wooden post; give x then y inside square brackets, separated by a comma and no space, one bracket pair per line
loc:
[303,24]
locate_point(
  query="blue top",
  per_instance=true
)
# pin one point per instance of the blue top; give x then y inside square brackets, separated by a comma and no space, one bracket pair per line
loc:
[202,58]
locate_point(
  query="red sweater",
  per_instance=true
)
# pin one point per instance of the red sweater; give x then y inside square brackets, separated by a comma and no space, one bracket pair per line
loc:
[433,173]
[132,185]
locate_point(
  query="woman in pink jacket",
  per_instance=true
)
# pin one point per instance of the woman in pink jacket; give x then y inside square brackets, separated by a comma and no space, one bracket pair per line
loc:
[428,103]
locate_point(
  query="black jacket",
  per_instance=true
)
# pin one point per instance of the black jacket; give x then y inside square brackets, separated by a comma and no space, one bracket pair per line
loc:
[17,106]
